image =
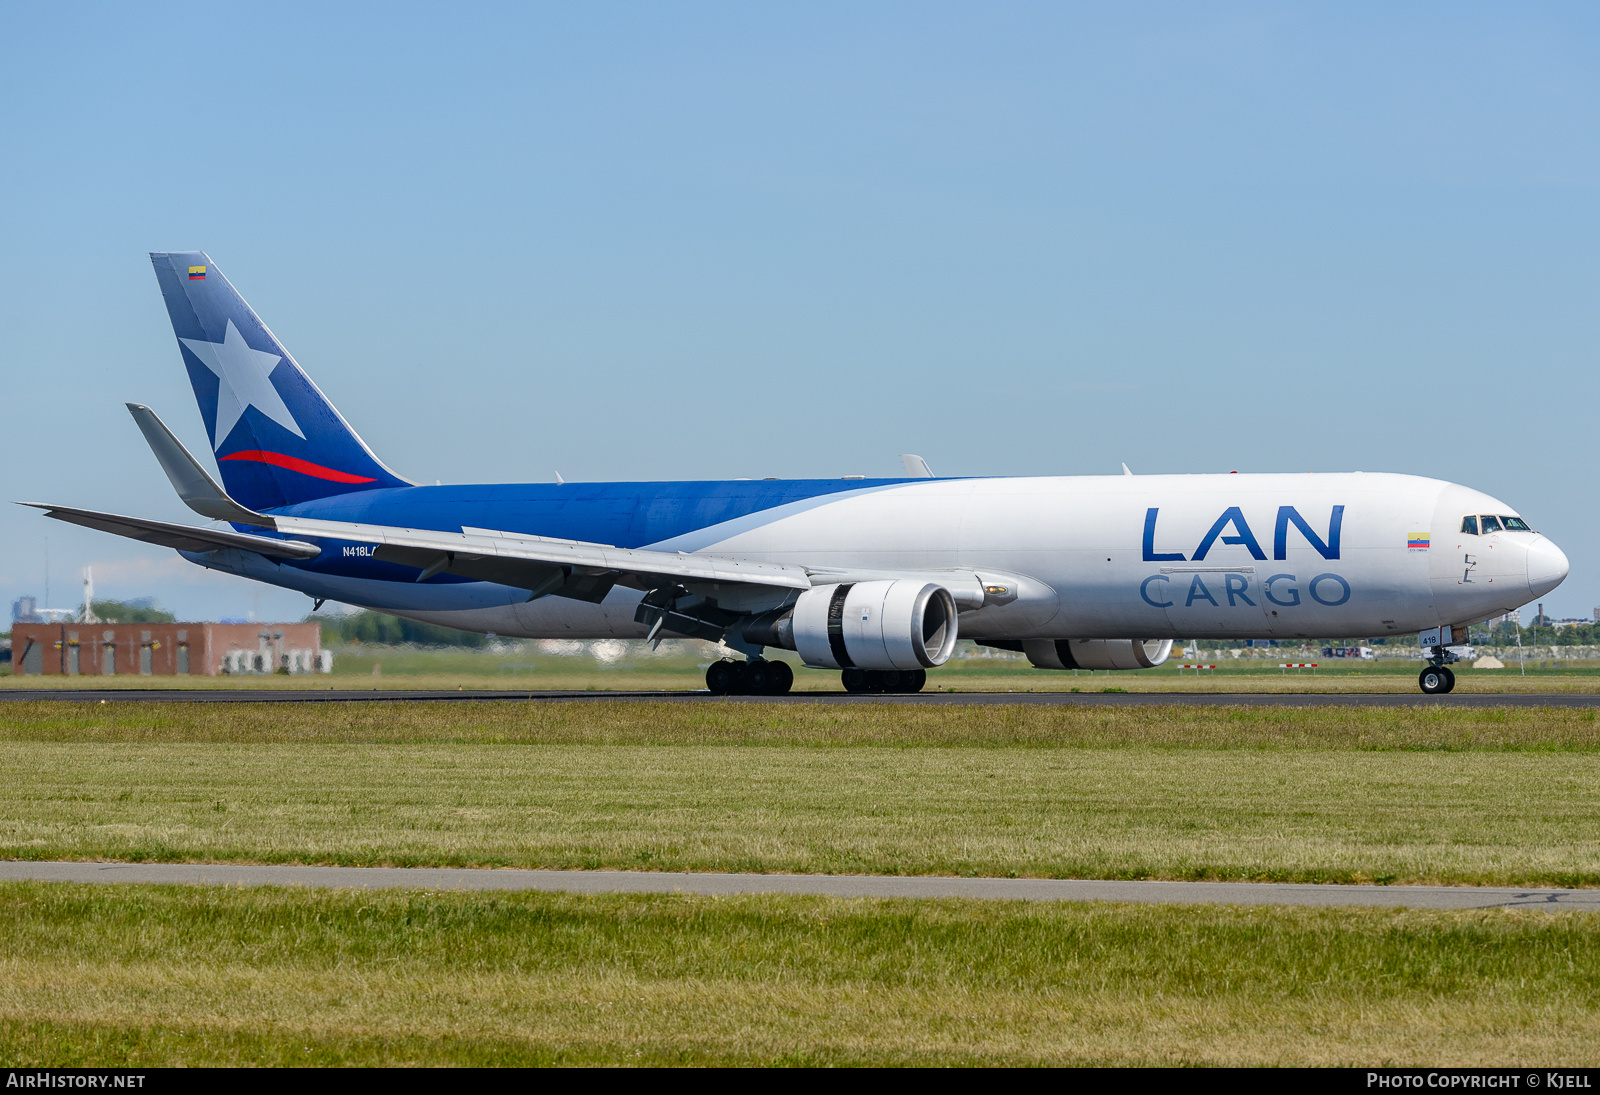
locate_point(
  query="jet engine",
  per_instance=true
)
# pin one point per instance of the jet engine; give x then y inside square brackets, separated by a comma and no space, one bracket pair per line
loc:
[1097,653]
[904,624]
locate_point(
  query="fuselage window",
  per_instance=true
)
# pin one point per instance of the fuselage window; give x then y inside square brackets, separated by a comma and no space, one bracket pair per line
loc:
[1490,524]
[1469,525]
[1516,524]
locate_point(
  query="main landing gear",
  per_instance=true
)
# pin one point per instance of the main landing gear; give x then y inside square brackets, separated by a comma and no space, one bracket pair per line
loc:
[1436,680]
[757,677]
[884,680]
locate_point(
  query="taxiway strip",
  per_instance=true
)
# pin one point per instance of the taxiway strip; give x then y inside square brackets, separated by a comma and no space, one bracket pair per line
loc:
[1002,889]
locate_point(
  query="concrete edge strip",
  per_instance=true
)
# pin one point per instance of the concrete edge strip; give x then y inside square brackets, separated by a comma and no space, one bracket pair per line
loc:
[868,886]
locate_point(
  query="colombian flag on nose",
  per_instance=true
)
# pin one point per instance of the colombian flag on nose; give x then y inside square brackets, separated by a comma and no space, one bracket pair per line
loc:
[197,273]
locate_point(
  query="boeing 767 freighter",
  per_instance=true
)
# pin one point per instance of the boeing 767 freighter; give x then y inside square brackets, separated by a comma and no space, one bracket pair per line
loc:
[872,577]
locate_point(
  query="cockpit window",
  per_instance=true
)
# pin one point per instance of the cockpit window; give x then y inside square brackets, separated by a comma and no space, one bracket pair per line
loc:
[1516,524]
[1469,525]
[1490,524]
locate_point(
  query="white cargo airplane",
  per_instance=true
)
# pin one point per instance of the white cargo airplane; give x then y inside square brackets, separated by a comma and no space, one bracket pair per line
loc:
[874,577]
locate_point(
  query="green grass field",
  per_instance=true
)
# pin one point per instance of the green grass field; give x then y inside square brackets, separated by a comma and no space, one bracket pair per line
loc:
[146,976]
[1506,796]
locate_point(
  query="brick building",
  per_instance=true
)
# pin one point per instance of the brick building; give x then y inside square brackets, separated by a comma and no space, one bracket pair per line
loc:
[167,649]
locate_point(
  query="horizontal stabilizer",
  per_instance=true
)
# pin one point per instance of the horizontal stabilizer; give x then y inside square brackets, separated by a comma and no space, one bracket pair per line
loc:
[181,537]
[193,484]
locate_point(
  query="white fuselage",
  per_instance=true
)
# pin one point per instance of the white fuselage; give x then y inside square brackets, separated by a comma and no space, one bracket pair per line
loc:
[1221,556]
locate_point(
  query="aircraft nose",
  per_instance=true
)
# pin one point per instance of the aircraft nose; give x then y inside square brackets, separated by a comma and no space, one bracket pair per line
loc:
[1547,567]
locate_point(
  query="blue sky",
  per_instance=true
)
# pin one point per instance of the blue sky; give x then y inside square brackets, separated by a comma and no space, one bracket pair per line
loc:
[705,241]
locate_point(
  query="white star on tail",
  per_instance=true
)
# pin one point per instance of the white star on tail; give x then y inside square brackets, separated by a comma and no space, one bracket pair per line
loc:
[244,376]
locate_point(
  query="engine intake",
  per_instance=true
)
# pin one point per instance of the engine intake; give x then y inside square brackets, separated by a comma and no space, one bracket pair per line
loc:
[1097,653]
[898,624]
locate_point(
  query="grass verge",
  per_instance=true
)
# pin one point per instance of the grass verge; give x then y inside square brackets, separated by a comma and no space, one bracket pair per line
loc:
[1508,796]
[147,976]
[630,722]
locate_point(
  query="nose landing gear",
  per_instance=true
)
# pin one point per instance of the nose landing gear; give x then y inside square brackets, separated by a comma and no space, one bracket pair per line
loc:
[1437,680]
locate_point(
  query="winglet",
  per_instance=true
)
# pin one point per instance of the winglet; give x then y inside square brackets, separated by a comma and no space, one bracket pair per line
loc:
[1125,470]
[916,466]
[197,489]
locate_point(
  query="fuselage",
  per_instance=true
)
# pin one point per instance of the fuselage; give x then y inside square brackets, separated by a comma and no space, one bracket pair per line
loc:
[1141,557]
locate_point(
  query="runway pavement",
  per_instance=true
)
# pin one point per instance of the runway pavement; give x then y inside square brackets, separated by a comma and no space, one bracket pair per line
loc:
[1003,889]
[1105,699]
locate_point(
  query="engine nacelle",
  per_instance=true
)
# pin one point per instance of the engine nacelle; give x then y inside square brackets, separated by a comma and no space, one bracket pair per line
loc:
[902,624]
[1097,653]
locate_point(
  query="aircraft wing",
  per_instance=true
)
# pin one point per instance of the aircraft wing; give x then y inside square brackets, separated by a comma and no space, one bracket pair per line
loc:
[541,564]
[181,537]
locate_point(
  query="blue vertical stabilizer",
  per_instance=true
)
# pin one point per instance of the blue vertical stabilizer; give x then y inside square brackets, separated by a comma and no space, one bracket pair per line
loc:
[276,437]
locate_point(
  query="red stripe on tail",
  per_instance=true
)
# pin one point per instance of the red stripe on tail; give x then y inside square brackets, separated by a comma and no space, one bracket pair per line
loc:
[304,467]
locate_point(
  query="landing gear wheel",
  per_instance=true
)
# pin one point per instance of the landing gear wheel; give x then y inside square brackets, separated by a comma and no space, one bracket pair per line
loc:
[884,680]
[758,677]
[722,678]
[1436,680]
[780,678]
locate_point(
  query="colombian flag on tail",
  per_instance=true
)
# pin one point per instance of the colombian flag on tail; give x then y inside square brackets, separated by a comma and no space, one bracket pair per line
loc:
[197,273]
